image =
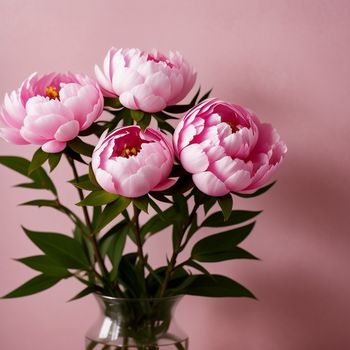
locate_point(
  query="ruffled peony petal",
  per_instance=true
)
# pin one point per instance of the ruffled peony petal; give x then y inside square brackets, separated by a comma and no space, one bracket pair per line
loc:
[12,136]
[160,85]
[106,181]
[53,146]
[163,81]
[194,159]
[51,106]
[104,82]
[208,183]
[127,99]
[238,181]
[126,80]
[243,153]
[67,131]
[165,184]
[136,162]
[144,96]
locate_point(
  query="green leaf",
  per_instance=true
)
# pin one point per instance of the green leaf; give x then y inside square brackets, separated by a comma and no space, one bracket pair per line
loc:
[226,204]
[165,116]
[128,275]
[193,228]
[205,96]
[155,206]
[183,108]
[95,129]
[145,121]
[39,177]
[74,155]
[160,197]
[182,185]
[85,183]
[256,193]
[236,217]
[99,197]
[42,203]
[232,254]
[142,203]
[176,235]
[165,126]
[44,264]
[39,158]
[197,266]
[91,345]
[156,224]
[61,248]
[54,159]
[35,285]
[208,204]
[110,212]
[215,286]
[137,115]
[112,231]
[127,119]
[92,177]
[88,290]
[181,206]
[221,246]
[96,213]
[114,246]
[81,147]
[112,102]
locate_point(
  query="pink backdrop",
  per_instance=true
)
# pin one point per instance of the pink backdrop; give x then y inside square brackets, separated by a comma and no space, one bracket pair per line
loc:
[286,59]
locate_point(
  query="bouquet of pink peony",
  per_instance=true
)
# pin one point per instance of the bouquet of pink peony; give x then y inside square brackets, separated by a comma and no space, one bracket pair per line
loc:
[145,159]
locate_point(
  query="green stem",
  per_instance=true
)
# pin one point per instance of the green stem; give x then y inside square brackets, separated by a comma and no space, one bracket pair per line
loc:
[136,228]
[91,237]
[172,263]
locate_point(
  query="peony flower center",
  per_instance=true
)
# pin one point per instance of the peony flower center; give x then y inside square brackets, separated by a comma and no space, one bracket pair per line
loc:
[128,150]
[234,127]
[160,59]
[52,93]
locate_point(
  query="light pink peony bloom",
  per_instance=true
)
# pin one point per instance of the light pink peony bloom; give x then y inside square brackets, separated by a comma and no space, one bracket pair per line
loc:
[131,162]
[227,148]
[145,81]
[50,110]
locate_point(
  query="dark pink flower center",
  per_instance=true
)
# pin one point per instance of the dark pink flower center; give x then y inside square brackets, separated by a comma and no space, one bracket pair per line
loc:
[158,59]
[127,148]
[234,127]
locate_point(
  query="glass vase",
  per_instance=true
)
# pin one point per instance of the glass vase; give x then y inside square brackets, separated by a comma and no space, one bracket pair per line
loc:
[139,324]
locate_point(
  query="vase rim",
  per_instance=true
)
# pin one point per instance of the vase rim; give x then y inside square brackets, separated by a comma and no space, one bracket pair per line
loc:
[110,298]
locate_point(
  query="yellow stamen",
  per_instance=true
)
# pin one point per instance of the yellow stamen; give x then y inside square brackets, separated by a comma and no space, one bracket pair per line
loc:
[126,152]
[52,93]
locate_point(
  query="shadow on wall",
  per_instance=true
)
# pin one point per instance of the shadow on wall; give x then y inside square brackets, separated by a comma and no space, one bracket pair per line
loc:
[295,310]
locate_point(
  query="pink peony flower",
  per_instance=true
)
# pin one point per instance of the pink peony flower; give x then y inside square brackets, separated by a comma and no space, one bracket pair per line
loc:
[145,81]
[131,162]
[50,110]
[227,148]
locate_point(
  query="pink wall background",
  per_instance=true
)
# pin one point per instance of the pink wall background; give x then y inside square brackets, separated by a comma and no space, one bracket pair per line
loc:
[286,59]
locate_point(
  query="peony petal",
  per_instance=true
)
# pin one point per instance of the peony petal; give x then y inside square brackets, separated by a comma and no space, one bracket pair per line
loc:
[12,136]
[127,100]
[239,180]
[104,83]
[125,80]
[67,131]
[194,159]
[53,146]
[209,184]
[164,185]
